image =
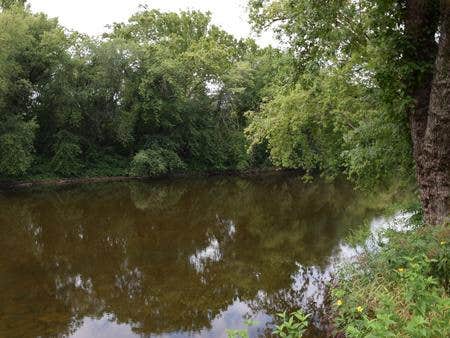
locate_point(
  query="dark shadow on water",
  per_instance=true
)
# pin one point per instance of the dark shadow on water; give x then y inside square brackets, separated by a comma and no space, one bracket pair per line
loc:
[171,258]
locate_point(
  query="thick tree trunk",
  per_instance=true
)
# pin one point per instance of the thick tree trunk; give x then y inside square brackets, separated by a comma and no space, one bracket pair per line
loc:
[421,24]
[435,183]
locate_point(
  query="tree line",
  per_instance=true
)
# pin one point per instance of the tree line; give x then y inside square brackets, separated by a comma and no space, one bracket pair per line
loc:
[161,93]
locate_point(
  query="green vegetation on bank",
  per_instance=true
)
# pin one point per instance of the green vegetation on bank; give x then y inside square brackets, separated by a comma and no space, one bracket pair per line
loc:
[164,92]
[400,290]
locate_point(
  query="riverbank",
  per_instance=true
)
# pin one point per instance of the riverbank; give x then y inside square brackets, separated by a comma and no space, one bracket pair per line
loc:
[400,290]
[21,184]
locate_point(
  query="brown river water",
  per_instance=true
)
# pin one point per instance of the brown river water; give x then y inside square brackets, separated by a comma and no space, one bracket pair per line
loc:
[171,258]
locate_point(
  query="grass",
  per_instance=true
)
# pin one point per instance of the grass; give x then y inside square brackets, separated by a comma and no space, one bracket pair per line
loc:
[400,290]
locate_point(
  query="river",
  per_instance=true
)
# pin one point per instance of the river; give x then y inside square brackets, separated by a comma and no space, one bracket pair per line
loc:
[188,257]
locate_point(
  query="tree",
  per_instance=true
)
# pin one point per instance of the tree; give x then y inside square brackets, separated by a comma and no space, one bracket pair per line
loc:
[170,84]
[16,146]
[7,4]
[31,49]
[430,115]
[389,51]
[182,96]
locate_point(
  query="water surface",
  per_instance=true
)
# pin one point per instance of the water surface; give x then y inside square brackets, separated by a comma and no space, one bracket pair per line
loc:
[186,257]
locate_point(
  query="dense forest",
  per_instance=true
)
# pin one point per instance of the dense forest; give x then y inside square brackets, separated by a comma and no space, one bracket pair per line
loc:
[165,92]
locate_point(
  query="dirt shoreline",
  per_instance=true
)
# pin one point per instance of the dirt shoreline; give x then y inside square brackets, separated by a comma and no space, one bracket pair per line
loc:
[12,185]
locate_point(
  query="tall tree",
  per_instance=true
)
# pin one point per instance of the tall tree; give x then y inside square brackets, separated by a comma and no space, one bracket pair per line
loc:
[390,52]
[429,86]
[435,160]
[6,4]
[31,48]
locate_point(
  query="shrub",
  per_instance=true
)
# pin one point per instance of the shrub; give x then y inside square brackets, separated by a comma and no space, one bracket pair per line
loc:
[155,161]
[104,162]
[16,147]
[66,160]
[399,291]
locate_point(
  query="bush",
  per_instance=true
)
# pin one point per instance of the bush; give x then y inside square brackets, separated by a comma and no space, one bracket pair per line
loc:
[104,162]
[16,147]
[399,291]
[155,161]
[66,160]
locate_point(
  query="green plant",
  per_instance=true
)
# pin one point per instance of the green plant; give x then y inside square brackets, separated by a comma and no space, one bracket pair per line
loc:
[67,160]
[155,161]
[400,290]
[16,146]
[293,325]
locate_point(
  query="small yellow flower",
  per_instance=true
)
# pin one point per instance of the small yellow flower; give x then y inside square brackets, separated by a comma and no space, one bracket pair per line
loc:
[400,270]
[443,242]
[360,309]
[339,302]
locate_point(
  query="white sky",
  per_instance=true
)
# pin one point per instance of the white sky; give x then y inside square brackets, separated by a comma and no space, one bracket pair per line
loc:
[91,16]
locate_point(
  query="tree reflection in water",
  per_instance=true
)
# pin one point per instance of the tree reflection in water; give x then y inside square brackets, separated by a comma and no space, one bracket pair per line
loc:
[168,257]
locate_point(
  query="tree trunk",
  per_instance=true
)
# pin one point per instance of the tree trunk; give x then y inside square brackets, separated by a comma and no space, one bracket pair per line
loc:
[435,183]
[420,24]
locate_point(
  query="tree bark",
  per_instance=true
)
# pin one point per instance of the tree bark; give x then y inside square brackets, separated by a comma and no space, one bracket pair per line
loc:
[434,182]
[421,20]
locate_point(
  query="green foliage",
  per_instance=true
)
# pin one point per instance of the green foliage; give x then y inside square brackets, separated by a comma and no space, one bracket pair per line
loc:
[174,78]
[16,146]
[101,162]
[368,145]
[7,4]
[345,109]
[31,49]
[333,102]
[305,126]
[155,161]
[293,325]
[400,291]
[66,160]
